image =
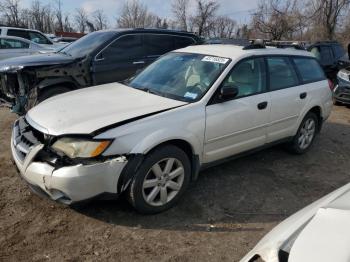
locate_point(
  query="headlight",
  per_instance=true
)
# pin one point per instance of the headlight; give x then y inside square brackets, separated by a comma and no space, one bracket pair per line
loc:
[75,147]
[10,68]
[343,76]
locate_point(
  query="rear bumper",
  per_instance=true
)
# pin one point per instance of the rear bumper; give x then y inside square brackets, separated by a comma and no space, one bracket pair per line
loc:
[68,184]
[342,94]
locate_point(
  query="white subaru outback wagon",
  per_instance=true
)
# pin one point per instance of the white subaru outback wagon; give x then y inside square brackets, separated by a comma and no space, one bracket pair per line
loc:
[151,136]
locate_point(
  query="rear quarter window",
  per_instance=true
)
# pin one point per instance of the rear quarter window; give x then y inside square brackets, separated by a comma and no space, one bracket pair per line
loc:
[309,69]
[181,42]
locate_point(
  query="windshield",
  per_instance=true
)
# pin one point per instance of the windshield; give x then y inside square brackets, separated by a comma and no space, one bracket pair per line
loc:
[181,76]
[87,44]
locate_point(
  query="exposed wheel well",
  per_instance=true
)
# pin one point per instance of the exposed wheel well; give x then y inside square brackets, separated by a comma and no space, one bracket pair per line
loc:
[69,85]
[318,112]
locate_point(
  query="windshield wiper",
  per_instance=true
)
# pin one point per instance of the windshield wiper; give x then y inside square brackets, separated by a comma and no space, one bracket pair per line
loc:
[151,91]
[65,53]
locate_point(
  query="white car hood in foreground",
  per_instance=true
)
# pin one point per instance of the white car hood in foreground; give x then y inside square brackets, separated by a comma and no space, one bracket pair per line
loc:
[86,110]
[325,238]
[321,232]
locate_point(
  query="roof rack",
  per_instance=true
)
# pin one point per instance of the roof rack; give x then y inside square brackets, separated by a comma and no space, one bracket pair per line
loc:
[299,45]
[255,44]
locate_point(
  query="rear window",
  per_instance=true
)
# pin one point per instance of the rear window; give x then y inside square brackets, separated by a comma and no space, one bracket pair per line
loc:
[339,51]
[309,69]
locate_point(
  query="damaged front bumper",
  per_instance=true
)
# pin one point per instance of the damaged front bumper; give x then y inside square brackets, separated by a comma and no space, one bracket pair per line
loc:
[67,184]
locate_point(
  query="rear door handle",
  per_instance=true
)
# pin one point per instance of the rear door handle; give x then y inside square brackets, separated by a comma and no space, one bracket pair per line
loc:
[303,95]
[138,62]
[262,105]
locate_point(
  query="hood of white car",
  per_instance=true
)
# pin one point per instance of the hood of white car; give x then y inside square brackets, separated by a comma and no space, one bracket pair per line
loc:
[319,232]
[325,238]
[86,110]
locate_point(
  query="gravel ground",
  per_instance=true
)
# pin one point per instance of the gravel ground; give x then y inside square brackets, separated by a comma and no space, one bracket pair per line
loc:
[221,217]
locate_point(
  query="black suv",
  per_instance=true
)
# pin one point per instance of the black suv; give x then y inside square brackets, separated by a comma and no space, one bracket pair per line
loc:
[98,58]
[332,57]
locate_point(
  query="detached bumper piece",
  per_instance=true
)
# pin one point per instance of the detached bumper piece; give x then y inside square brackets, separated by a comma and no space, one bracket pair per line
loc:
[68,184]
[342,92]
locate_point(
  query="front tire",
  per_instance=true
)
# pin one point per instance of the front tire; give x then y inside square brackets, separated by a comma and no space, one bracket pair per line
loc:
[160,181]
[306,134]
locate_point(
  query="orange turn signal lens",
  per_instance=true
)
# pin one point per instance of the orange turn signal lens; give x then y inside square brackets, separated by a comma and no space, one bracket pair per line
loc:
[100,148]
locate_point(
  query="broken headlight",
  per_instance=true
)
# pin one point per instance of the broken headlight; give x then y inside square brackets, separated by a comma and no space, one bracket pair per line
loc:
[80,148]
[344,76]
[10,69]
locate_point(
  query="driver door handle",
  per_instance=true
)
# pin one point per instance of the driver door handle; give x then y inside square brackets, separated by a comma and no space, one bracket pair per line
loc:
[262,105]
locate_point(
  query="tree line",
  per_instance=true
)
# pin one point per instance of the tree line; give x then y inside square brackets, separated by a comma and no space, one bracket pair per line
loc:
[272,19]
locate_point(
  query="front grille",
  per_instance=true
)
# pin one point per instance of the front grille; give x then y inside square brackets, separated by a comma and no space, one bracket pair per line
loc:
[24,138]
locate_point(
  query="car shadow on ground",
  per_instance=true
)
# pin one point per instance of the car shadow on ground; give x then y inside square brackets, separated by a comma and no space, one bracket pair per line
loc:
[241,194]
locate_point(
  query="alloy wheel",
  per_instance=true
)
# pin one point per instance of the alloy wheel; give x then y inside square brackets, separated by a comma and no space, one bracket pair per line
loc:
[307,133]
[163,182]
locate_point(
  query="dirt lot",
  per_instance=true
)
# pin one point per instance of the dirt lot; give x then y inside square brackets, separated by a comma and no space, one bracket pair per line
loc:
[222,216]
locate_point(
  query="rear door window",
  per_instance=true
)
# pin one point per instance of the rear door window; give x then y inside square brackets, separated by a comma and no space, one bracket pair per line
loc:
[126,48]
[309,69]
[157,45]
[281,73]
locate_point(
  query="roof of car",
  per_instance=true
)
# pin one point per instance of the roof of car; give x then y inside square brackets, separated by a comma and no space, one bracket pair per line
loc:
[18,28]
[148,30]
[234,52]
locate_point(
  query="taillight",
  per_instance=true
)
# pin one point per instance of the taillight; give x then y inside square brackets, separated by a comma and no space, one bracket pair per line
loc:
[331,85]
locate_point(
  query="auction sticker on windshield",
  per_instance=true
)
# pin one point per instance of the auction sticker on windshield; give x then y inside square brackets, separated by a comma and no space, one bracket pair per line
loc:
[215,59]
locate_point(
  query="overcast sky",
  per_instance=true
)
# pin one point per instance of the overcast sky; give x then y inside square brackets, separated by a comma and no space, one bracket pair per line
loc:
[236,9]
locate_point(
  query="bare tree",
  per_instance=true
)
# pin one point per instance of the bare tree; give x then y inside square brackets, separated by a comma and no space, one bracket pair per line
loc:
[59,15]
[326,15]
[67,24]
[80,19]
[134,14]
[99,19]
[223,27]
[10,10]
[180,11]
[41,16]
[276,19]
[243,32]
[204,17]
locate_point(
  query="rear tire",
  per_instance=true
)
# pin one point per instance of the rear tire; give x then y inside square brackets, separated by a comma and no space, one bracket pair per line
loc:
[160,181]
[306,134]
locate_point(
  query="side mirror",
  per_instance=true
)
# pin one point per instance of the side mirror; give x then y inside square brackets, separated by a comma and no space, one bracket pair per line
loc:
[228,92]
